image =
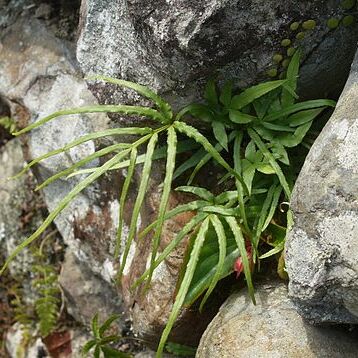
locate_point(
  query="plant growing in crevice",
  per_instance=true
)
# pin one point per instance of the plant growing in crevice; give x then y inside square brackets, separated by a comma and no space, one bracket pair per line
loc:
[101,342]
[254,127]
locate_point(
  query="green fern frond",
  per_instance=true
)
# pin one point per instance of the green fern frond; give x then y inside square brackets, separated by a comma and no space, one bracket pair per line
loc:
[167,185]
[47,303]
[162,105]
[101,108]
[139,200]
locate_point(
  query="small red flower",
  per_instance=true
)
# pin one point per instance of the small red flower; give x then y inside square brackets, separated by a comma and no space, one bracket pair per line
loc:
[239,266]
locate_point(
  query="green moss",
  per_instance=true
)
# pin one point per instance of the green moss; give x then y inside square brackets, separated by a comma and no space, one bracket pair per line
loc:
[294,26]
[285,63]
[348,20]
[277,58]
[291,51]
[348,4]
[332,23]
[286,42]
[300,36]
[309,25]
[272,72]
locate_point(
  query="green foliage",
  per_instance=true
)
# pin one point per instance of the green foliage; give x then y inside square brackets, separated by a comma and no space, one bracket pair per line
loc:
[8,123]
[255,128]
[47,303]
[180,349]
[44,311]
[101,343]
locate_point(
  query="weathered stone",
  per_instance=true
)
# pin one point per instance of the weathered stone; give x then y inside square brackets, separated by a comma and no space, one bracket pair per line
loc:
[175,46]
[18,345]
[16,201]
[37,71]
[65,344]
[85,293]
[272,328]
[150,311]
[322,248]
[41,67]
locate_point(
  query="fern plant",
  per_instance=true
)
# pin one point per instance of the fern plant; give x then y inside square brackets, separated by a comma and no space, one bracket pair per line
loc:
[46,305]
[255,126]
[8,123]
[101,342]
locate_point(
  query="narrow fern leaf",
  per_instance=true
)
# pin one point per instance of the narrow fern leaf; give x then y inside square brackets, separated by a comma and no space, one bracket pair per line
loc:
[61,206]
[95,326]
[197,110]
[184,287]
[169,171]
[107,324]
[97,352]
[315,103]
[220,233]
[84,161]
[186,230]
[139,200]
[221,210]
[200,192]
[274,203]
[191,162]
[238,169]
[159,153]
[220,134]
[205,159]
[88,346]
[263,215]
[191,132]
[240,241]
[192,206]
[122,200]
[101,108]
[268,155]
[273,251]
[86,138]
[292,75]
[225,196]
[254,92]
[162,105]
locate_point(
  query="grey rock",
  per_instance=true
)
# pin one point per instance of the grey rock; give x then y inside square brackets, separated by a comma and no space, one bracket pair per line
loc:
[17,345]
[322,247]
[38,77]
[37,70]
[150,309]
[68,343]
[15,197]
[175,46]
[271,329]
[150,354]
[85,293]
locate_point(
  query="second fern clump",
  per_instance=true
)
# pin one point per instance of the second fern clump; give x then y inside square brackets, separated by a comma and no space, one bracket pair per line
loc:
[255,128]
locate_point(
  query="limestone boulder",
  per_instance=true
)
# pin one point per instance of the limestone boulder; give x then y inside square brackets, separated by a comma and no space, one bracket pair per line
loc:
[175,46]
[322,247]
[271,329]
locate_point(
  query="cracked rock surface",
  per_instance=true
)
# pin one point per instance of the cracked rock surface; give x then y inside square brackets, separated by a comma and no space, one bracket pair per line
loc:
[322,247]
[271,329]
[175,46]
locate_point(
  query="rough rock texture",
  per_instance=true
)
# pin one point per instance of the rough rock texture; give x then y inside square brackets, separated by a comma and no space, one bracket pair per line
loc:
[16,202]
[271,329]
[38,75]
[174,46]
[67,344]
[85,292]
[322,248]
[150,311]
